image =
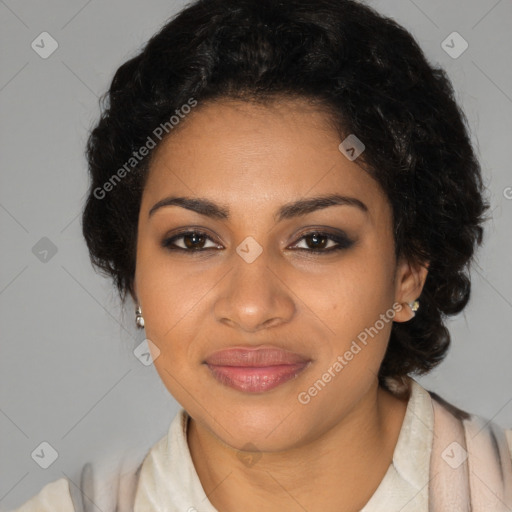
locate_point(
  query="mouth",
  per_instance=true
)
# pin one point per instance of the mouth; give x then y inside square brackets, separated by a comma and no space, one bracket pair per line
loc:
[256,369]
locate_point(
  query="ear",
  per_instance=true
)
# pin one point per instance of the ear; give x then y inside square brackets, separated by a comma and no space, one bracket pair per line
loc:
[410,278]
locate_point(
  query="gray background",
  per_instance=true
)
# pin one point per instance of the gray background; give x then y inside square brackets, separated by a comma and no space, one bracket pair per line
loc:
[68,374]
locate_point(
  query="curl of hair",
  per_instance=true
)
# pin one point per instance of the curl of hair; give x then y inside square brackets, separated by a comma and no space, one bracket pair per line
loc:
[373,80]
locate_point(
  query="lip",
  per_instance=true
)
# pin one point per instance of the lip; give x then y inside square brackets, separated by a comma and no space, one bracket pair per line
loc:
[254,356]
[255,369]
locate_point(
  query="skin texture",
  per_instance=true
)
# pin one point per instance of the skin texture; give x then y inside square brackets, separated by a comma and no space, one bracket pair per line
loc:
[331,453]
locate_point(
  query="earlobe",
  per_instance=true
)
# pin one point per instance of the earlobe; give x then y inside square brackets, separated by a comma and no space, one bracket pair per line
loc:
[410,280]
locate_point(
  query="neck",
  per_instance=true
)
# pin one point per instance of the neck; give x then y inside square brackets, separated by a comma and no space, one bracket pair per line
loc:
[338,471]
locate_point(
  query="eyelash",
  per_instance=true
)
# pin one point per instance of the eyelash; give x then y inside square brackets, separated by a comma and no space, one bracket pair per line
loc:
[342,241]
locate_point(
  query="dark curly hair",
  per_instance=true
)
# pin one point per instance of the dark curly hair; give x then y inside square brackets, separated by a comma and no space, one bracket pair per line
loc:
[374,81]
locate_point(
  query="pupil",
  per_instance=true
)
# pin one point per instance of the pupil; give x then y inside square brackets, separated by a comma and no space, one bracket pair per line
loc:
[194,237]
[315,238]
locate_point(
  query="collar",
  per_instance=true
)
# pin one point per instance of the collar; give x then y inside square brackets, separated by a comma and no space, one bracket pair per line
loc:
[405,484]
[168,481]
[411,457]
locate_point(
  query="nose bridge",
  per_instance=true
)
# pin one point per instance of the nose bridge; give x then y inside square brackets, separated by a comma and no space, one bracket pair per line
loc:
[252,296]
[251,269]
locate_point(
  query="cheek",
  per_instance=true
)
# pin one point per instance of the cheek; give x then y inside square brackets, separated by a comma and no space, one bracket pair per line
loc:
[359,317]
[355,302]
[169,289]
[352,293]
[173,298]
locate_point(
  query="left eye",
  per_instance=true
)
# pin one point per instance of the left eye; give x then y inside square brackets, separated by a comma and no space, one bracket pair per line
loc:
[316,242]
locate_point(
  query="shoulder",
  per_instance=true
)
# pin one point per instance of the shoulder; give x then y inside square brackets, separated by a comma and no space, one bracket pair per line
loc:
[473,453]
[477,424]
[480,438]
[53,496]
[99,487]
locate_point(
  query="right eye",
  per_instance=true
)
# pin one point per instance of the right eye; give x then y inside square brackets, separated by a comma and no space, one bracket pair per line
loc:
[192,241]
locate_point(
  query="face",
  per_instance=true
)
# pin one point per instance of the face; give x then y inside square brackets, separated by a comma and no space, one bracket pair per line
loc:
[254,259]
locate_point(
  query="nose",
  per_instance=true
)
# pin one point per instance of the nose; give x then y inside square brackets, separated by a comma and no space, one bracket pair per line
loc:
[254,296]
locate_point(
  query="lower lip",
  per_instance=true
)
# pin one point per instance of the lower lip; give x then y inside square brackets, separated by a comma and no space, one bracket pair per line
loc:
[256,379]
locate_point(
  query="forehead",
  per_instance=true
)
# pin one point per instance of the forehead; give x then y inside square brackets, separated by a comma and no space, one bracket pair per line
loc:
[247,154]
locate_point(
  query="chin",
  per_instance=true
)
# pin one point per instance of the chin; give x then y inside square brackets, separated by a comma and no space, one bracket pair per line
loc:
[268,427]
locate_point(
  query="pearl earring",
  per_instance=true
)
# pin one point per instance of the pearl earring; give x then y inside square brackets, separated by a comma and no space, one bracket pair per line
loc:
[139,319]
[414,305]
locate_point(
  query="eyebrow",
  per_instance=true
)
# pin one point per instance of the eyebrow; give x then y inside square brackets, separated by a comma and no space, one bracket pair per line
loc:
[297,208]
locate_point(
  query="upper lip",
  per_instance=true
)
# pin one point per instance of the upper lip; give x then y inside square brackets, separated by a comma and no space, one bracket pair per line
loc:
[253,357]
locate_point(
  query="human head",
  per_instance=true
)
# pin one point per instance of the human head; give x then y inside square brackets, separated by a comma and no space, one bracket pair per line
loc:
[372,79]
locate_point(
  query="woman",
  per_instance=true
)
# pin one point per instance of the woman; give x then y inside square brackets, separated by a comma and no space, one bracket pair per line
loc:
[288,192]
